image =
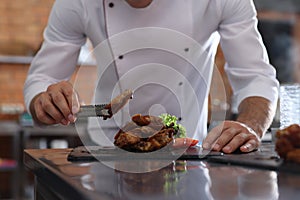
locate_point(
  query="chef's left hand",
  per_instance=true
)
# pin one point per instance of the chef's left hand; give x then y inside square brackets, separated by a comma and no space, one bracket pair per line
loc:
[184,142]
[230,136]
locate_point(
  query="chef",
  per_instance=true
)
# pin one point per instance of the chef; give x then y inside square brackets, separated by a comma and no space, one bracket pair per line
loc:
[164,50]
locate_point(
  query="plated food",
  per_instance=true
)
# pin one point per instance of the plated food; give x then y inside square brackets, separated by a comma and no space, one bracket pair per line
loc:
[145,133]
[288,143]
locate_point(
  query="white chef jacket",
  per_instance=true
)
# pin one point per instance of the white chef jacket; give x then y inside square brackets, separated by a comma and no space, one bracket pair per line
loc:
[165,52]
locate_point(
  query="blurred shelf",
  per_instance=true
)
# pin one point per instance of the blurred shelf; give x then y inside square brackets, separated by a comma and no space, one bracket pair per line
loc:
[289,6]
[9,127]
[83,60]
[16,59]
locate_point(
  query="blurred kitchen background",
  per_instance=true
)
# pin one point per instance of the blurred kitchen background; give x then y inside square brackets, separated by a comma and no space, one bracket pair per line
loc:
[21,27]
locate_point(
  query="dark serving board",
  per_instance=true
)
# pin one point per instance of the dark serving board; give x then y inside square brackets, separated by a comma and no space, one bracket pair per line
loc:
[92,153]
[264,158]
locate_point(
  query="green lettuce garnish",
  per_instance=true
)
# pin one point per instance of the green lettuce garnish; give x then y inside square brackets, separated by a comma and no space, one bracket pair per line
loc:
[171,119]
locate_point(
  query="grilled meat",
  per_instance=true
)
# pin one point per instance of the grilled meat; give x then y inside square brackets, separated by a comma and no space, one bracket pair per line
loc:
[119,102]
[144,134]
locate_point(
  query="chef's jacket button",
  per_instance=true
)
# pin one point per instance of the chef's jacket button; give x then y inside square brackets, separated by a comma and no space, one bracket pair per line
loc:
[121,57]
[180,83]
[186,49]
[111,5]
[179,118]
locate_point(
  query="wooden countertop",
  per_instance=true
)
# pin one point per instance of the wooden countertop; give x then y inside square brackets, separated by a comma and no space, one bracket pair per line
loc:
[58,178]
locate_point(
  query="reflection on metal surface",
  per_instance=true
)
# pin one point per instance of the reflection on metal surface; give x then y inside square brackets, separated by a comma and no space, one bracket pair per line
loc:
[163,181]
[242,183]
[178,180]
[289,186]
[87,182]
[258,185]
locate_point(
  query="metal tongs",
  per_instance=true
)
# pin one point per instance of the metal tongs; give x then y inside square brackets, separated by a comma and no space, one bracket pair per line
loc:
[106,110]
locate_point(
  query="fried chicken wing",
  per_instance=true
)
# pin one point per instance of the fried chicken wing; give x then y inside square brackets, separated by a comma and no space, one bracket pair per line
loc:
[144,134]
[288,143]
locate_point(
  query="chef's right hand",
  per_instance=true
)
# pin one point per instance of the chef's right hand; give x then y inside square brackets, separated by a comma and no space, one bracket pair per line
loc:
[59,104]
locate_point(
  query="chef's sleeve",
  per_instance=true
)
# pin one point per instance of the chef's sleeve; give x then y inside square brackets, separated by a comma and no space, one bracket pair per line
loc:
[248,67]
[57,58]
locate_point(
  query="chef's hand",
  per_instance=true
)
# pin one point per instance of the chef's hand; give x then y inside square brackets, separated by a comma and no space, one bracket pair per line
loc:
[58,104]
[184,142]
[230,136]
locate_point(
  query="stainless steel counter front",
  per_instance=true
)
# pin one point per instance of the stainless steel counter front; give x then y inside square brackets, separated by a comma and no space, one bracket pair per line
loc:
[57,178]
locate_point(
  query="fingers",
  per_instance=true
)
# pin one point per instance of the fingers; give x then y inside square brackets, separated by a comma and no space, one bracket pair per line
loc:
[41,115]
[229,145]
[75,103]
[230,136]
[251,145]
[72,101]
[58,104]
[185,142]
[212,137]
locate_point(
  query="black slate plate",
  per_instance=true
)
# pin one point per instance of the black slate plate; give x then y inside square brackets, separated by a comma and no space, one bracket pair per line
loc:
[264,158]
[92,153]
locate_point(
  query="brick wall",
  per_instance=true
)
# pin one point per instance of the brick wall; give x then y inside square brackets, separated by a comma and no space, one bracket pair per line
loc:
[22,23]
[12,78]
